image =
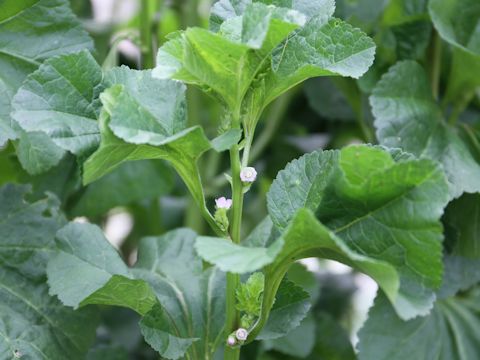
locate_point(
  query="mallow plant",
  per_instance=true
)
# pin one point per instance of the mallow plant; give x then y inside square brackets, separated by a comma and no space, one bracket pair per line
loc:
[378,208]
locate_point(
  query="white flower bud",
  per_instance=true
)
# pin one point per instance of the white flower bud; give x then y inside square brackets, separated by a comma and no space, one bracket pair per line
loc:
[248,174]
[241,334]
[223,203]
[231,341]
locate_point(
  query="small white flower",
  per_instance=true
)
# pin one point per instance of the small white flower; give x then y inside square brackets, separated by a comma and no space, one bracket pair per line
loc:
[231,341]
[241,334]
[223,203]
[248,174]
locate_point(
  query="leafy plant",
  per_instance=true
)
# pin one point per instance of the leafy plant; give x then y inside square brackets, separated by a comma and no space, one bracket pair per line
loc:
[400,205]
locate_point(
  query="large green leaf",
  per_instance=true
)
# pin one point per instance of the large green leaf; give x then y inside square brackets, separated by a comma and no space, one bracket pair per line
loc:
[61,100]
[180,305]
[23,50]
[192,298]
[450,331]
[88,270]
[27,231]
[32,323]
[408,117]
[144,118]
[358,194]
[457,22]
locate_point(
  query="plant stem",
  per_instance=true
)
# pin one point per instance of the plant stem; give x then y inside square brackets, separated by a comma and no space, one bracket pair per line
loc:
[146,39]
[436,64]
[233,317]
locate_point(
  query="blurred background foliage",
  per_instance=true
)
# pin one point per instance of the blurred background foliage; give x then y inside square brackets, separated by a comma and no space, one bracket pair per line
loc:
[147,198]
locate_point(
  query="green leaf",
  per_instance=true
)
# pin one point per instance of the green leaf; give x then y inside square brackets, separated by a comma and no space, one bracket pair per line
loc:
[332,341]
[157,331]
[227,9]
[129,183]
[144,118]
[298,343]
[249,295]
[451,331]
[27,231]
[31,322]
[457,22]
[289,309]
[37,152]
[227,140]
[23,50]
[237,259]
[193,299]
[407,117]
[463,215]
[461,274]
[180,304]
[61,100]
[354,193]
[144,110]
[265,46]
[327,100]
[88,270]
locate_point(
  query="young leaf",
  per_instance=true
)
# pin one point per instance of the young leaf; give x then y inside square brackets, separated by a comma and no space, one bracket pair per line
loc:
[355,193]
[408,117]
[60,33]
[32,323]
[61,100]
[261,49]
[249,295]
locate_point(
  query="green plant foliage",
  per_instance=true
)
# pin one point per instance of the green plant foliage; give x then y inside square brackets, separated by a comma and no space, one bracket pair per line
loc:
[31,322]
[450,331]
[23,50]
[407,116]
[212,258]
[366,181]
[154,288]
[293,42]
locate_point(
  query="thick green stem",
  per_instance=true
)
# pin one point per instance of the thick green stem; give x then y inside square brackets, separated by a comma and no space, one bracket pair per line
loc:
[233,316]
[146,48]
